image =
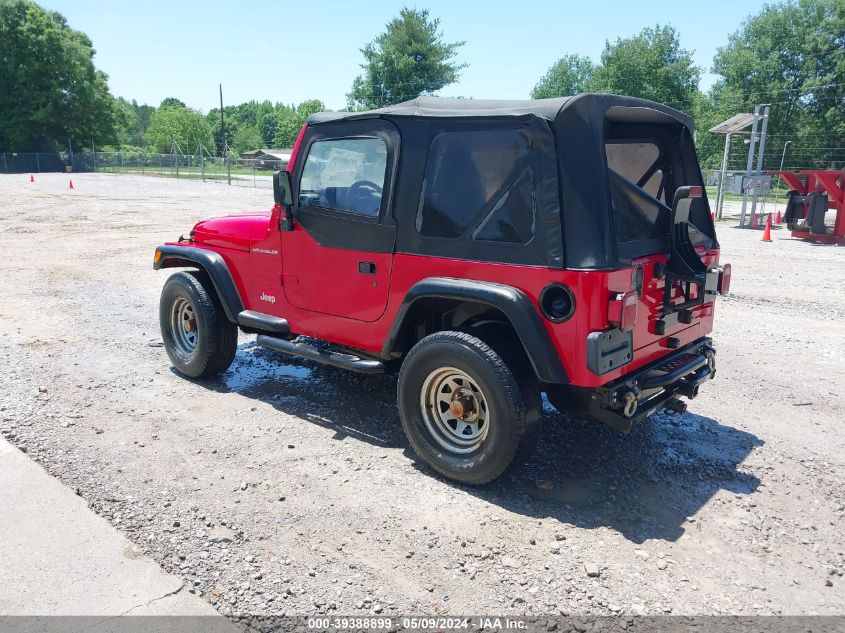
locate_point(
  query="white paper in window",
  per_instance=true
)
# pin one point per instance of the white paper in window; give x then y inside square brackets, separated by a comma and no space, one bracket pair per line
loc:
[342,167]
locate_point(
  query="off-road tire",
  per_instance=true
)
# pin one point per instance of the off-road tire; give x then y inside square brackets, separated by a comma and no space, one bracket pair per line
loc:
[509,390]
[216,337]
[514,356]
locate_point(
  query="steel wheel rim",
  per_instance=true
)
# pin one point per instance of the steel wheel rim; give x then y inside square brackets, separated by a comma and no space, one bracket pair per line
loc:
[455,410]
[183,326]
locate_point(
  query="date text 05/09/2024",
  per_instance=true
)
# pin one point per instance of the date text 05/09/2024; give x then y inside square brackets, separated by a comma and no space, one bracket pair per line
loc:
[422,623]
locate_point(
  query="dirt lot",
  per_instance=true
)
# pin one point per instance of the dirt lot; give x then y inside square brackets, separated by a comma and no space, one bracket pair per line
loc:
[286,487]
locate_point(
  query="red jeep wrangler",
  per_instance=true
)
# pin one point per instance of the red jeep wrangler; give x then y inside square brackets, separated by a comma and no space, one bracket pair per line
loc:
[487,251]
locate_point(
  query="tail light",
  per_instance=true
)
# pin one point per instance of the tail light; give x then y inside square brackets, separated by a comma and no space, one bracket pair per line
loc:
[622,310]
[725,280]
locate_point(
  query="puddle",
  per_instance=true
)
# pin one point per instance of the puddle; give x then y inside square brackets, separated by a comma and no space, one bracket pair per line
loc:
[250,371]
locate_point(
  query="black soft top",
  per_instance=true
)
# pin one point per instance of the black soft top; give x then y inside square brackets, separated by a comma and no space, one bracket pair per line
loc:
[548,109]
[576,227]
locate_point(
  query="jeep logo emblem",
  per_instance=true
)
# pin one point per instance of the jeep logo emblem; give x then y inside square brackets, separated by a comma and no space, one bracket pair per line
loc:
[267,298]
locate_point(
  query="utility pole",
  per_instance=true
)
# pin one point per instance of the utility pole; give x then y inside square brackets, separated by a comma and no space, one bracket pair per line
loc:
[760,154]
[720,194]
[222,122]
[751,145]
[782,157]
[174,157]
[225,147]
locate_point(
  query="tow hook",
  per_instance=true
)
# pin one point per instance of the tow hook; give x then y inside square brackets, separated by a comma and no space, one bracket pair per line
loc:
[710,355]
[630,406]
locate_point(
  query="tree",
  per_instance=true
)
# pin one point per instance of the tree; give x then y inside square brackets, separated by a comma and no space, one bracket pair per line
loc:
[131,121]
[267,128]
[291,119]
[287,127]
[569,75]
[651,65]
[213,119]
[246,138]
[126,123]
[168,102]
[50,89]
[186,126]
[791,55]
[409,59]
[144,112]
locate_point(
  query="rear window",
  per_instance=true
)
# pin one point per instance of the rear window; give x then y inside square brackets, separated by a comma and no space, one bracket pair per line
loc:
[639,178]
[478,177]
[634,161]
[637,191]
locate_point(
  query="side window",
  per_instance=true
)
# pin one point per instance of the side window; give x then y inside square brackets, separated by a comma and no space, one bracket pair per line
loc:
[345,175]
[473,171]
[512,218]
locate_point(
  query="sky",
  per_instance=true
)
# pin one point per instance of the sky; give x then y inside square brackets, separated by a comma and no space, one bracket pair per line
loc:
[289,52]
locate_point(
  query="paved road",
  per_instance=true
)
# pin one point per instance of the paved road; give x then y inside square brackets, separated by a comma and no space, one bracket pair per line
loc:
[59,558]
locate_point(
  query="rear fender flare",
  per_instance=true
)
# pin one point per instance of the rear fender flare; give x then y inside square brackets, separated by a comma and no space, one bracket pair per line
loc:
[173,256]
[517,307]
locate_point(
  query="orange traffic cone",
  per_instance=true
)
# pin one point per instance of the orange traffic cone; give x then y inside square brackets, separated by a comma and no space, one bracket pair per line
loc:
[755,224]
[31,178]
[767,231]
[777,218]
[71,185]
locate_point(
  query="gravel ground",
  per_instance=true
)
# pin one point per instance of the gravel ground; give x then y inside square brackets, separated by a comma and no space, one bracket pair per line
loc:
[288,488]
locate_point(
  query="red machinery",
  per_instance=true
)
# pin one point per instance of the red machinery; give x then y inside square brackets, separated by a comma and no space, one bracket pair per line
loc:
[813,193]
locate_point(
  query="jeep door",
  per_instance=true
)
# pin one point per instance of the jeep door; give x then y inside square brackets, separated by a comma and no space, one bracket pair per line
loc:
[337,258]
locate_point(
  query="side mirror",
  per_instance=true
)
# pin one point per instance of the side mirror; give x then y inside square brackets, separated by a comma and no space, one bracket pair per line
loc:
[282,193]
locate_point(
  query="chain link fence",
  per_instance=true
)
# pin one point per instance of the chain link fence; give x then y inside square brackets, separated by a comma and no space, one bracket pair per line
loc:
[257,172]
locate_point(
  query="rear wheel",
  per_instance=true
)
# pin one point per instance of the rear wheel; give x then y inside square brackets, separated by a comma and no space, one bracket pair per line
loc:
[467,409]
[198,338]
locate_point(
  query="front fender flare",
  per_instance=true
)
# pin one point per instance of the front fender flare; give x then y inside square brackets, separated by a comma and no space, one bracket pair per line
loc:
[512,302]
[173,256]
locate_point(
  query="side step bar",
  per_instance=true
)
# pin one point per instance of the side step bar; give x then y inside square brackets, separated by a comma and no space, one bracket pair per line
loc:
[256,321]
[327,357]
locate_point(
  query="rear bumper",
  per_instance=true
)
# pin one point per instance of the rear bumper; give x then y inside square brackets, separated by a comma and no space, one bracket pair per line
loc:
[639,394]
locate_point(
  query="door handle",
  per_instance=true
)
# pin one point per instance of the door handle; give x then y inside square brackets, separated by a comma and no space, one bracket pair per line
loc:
[367,268]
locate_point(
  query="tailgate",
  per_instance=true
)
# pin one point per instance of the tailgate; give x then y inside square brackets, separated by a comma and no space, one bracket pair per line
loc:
[653,324]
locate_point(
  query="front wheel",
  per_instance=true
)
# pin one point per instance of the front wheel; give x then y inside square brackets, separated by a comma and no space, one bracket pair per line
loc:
[199,339]
[467,410]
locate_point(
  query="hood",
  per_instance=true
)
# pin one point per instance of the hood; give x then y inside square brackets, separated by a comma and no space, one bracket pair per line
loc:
[233,231]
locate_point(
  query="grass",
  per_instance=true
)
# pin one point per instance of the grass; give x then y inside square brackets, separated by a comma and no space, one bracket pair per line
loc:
[775,195]
[211,172]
